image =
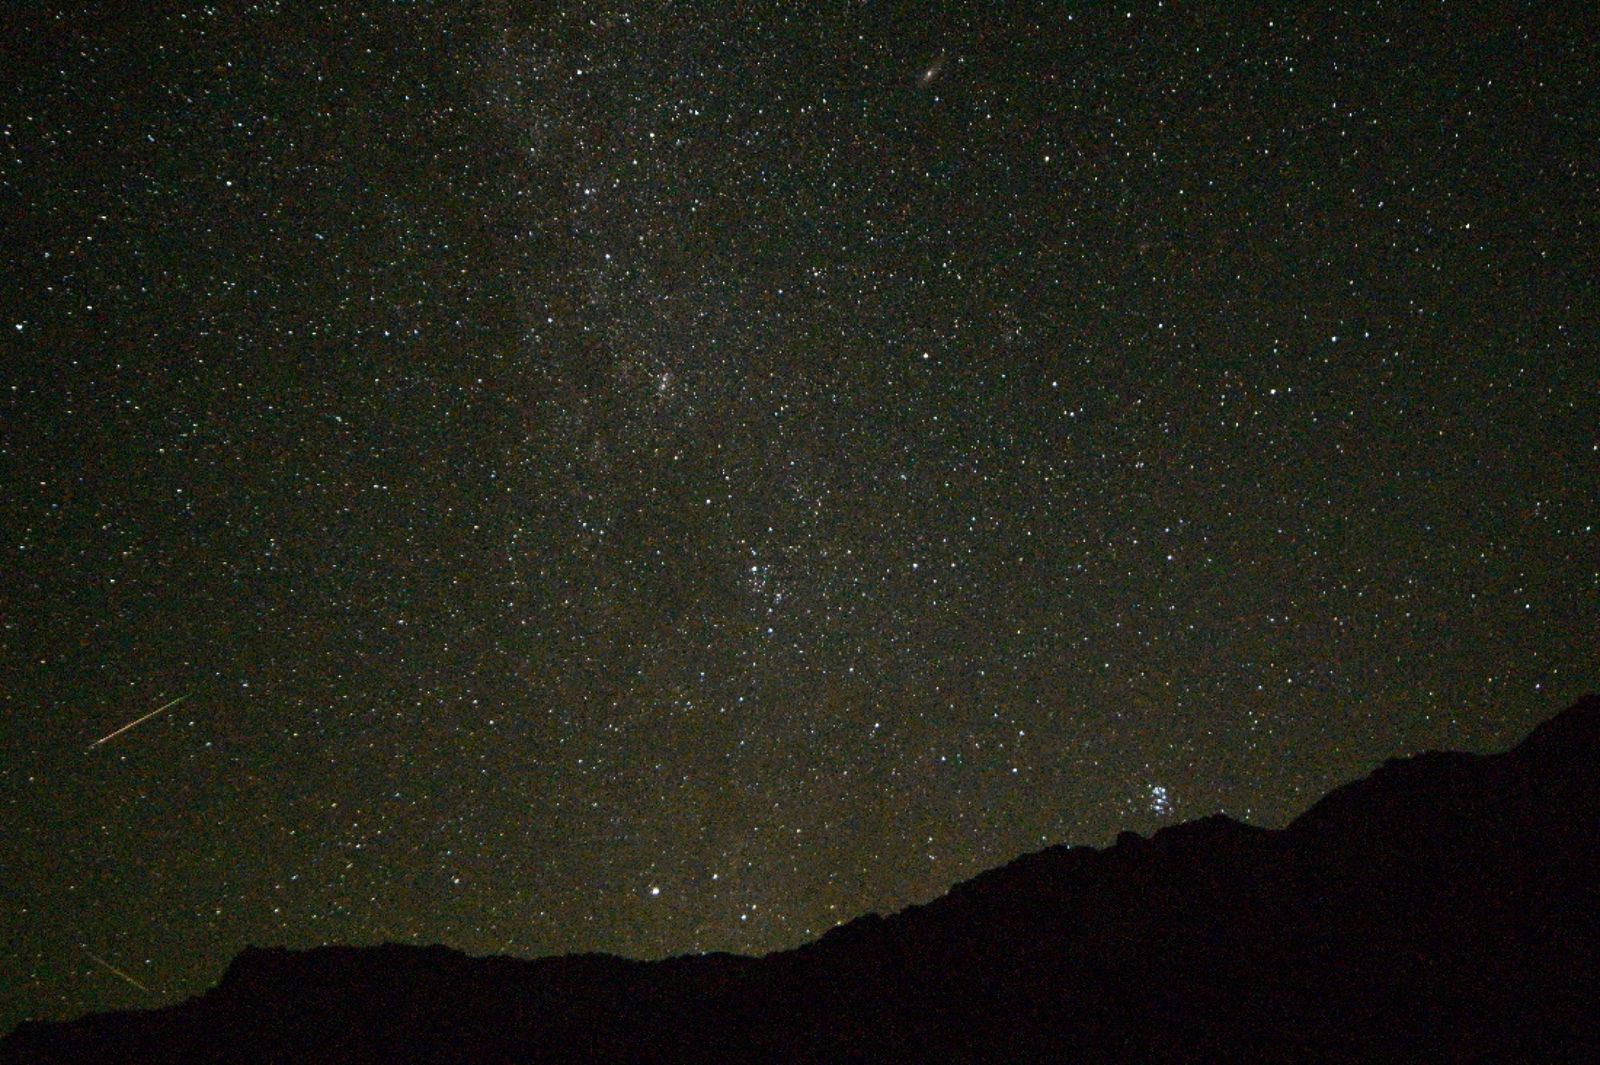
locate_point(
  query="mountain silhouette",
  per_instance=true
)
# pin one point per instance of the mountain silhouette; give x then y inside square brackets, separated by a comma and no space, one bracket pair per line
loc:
[1444,909]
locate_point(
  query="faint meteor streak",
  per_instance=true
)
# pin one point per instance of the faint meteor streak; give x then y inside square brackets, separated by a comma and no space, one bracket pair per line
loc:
[142,720]
[112,969]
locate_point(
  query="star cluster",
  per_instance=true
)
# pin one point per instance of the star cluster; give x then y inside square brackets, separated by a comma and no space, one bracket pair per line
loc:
[659,479]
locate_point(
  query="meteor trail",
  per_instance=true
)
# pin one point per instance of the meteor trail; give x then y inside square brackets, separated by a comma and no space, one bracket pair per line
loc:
[142,720]
[108,967]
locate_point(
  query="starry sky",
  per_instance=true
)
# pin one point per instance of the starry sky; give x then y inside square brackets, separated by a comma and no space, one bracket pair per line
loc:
[664,477]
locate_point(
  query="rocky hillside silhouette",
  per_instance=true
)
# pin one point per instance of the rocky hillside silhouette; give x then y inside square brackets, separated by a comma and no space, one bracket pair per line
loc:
[1444,909]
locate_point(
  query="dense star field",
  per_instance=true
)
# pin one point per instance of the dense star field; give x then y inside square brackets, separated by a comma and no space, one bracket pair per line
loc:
[634,478]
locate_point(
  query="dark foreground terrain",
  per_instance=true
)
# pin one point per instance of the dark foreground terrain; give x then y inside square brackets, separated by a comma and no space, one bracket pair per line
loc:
[1445,909]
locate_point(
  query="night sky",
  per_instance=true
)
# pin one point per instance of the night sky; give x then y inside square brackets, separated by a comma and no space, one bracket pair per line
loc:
[648,479]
